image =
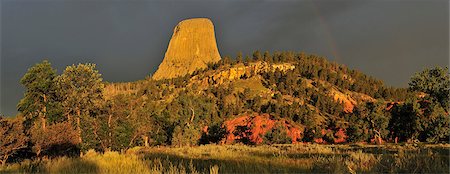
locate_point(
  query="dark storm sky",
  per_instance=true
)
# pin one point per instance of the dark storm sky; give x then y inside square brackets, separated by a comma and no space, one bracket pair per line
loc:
[388,39]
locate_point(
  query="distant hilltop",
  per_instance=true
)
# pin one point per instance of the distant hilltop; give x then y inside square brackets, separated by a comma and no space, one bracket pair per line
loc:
[192,46]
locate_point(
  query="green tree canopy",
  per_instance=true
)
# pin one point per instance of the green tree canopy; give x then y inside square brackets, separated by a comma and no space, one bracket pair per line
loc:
[81,91]
[277,135]
[435,82]
[40,95]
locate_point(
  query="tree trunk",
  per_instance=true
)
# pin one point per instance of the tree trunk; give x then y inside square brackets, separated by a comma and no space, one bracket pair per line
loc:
[132,140]
[98,137]
[38,152]
[44,113]
[43,123]
[78,126]
[378,137]
[109,130]
[5,158]
[145,139]
[193,115]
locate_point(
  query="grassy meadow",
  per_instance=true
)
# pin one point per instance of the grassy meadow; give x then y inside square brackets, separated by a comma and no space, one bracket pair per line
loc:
[301,158]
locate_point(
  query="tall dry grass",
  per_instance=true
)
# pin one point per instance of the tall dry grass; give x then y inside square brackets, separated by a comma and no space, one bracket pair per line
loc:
[305,158]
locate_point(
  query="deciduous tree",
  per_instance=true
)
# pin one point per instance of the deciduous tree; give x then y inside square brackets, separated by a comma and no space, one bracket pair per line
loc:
[12,137]
[57,139]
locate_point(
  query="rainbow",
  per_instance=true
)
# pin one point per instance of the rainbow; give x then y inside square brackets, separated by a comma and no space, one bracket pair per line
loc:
[327,32]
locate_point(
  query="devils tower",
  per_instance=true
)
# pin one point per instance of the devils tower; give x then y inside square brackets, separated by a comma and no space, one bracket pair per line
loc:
[192,46]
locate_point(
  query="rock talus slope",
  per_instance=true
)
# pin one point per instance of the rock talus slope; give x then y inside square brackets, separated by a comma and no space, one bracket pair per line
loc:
[192,46]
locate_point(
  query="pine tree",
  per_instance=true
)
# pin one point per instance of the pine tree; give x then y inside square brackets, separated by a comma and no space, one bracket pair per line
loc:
[257,56]
[277,135]
[40,97]
[81,91]
[239,57]
[435,82]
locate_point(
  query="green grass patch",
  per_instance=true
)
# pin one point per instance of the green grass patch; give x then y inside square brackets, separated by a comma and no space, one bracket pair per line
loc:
[253,83]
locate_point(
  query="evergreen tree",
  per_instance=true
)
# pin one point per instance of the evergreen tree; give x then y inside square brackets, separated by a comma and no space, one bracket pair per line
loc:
[185,135]
[40,99]
[257,56]
[226,60]
[267,57]
[81,90]
[438,125]
[247,60]
[215,134]
[277,135]
[239,58]
[433,81]
[404,123]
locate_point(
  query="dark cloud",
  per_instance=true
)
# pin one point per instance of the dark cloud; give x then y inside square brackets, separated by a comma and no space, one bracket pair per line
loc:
[127,39]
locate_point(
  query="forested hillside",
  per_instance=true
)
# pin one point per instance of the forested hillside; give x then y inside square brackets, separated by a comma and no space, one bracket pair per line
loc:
[264,98]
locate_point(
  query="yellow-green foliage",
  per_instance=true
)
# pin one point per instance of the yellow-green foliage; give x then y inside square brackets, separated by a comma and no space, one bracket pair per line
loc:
[247,159]
[254,84]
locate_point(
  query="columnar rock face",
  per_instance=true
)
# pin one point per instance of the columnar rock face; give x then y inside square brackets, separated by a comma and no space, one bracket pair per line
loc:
[192,46]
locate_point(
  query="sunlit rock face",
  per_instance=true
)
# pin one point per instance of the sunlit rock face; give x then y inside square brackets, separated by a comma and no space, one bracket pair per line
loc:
[192,46]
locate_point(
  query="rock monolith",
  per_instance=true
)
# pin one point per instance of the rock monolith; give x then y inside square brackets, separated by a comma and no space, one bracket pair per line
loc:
[192,46]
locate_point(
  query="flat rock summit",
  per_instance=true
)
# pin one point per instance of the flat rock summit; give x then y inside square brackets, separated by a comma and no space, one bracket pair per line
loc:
[192,46]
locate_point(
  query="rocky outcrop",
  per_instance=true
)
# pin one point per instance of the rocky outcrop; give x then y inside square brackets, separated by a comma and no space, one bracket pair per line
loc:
[339,136]
[258,126]
[250,70]
[348,102]
[350,99]
[238,71]
[192,46]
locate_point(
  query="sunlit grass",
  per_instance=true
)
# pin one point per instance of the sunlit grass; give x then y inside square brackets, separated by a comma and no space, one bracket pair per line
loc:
[300,158]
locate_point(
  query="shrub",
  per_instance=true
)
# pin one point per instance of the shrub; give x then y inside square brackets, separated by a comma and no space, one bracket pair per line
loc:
[56,139]
[278,135]
[215,134]
[186,135]
[12,138]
